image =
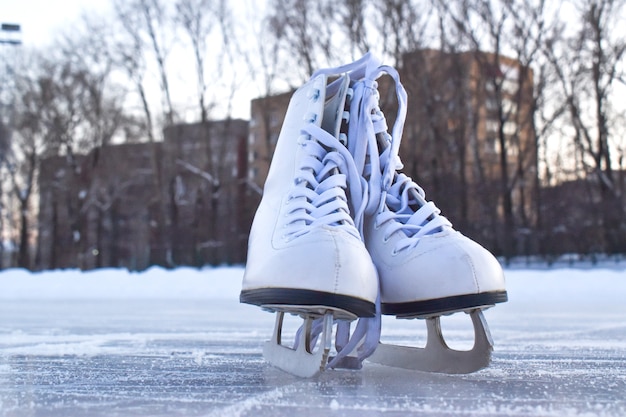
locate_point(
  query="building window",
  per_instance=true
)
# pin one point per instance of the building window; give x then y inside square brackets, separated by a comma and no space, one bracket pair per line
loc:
[492,126]
[179,190]
[509,72]
[491,146]
[509,128]
[274,119]
[510,86]
[509,106]
[491,104]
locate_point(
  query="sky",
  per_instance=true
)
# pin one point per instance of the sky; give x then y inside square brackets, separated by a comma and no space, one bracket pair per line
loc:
[42,19]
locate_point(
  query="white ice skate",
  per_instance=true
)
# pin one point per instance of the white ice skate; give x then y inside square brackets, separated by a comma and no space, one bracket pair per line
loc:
[305,254]
[426,268]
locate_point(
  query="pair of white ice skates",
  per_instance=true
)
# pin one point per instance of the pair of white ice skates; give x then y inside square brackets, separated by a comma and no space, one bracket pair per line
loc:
[340,234]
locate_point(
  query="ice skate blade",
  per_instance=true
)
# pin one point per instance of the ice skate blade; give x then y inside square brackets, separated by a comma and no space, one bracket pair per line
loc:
[304,359]
[310,310]
[436,356]
[444,313]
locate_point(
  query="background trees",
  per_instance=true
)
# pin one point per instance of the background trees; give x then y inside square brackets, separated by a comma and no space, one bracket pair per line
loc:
[152,64]
[594,49]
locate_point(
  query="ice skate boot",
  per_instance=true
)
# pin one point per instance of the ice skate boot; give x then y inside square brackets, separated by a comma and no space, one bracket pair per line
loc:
[426,268]
[305,253]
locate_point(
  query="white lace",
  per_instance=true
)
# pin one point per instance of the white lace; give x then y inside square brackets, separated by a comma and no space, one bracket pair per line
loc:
[318,197]
[401,217]
[397,202]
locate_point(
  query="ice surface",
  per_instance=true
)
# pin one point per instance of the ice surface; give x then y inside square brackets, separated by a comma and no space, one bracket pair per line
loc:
[178,343]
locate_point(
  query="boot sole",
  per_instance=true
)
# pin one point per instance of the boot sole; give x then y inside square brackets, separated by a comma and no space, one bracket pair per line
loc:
[301,298]
[442,306]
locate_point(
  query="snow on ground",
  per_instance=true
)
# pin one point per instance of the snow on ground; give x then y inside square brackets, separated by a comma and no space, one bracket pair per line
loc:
[178,343]
[153,283]
[585,284]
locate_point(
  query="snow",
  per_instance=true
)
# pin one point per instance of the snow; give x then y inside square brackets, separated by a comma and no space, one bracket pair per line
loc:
[154,283]
[178,343]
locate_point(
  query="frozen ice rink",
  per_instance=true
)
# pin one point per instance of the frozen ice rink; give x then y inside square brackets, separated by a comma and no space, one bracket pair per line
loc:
[178,343]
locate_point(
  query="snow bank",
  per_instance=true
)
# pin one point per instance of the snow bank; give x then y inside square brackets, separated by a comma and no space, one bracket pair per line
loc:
[558,284]
[154,283]
[585,290]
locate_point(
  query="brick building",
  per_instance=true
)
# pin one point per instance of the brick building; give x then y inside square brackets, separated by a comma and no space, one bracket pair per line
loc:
[267,116]
[182,201]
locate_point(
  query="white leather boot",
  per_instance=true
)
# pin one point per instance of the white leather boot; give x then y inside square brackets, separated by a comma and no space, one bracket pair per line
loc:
[306,255]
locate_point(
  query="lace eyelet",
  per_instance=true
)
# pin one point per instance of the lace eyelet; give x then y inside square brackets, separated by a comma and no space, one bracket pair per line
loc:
[386,239]
[287,237]
[395,252]
[310,117]
[314,94]
[303,139]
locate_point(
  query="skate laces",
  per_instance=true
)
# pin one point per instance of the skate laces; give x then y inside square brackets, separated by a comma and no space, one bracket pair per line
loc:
[408,212]
[319,196]
[364,339]
[397,203]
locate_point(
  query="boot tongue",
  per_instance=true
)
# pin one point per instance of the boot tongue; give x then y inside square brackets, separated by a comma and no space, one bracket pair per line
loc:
[334,106]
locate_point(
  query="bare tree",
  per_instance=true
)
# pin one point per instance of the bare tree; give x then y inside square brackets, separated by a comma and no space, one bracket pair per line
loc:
[263,58]
[198,19]
[138,21]
[8,61]
[307,32]
[403,26]
[66,104]
[506,89]
[22,168]
[143,24]
[533,25]
[154,19]
[47,116]
[352,17]
[588,65]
